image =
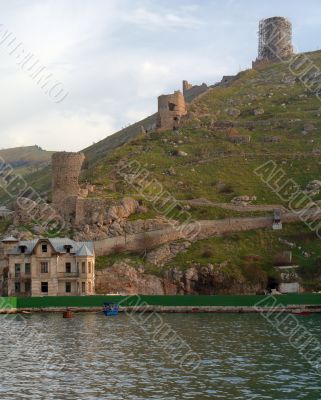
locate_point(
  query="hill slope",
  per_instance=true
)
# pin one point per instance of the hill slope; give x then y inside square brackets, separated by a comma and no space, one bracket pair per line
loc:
[287,129]
[279,120]
[26,159]
[112,142]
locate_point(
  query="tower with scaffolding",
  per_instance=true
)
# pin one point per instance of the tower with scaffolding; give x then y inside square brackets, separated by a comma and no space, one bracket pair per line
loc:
[275,41]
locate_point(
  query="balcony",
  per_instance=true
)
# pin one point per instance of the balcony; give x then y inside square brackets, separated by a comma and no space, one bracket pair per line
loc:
[68,275]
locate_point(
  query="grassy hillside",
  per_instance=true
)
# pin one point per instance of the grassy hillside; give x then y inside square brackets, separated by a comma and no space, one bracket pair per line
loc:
[26,159]
[32,162]
[112,142]
[214,167]
[217,169]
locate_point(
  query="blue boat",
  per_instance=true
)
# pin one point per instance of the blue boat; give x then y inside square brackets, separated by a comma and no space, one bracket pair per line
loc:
[110,309]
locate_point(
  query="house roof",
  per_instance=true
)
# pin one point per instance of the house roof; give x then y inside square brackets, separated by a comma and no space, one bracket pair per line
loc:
[84,252]
[58,245]
[10,239]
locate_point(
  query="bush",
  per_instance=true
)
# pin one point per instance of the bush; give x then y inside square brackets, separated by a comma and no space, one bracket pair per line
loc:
[207,253]
[226,189]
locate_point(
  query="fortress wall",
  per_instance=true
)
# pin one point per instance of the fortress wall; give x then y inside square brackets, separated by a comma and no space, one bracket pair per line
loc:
[190,91]
[205,229]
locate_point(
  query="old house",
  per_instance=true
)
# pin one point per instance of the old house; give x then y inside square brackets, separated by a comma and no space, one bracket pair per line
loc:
[48,267]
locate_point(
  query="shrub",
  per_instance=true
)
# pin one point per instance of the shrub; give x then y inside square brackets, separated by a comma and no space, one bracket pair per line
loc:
[208,252]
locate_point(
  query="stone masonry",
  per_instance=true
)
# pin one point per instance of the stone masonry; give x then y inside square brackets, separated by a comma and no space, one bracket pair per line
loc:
[66,191]
[171,108]
[66,169]
[190,91]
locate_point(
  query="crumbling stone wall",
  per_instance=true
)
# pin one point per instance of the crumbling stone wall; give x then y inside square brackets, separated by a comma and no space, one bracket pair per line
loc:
[171,108]
[66,169]
[191,91]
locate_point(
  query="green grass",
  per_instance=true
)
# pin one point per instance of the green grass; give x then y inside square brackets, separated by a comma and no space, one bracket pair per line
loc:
[4,225]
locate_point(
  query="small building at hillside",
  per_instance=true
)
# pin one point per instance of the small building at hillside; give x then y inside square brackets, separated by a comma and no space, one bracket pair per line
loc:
[277,220]
[47,267]
[289,279]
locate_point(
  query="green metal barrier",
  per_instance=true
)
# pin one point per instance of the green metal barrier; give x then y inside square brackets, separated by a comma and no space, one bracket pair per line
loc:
[192,301]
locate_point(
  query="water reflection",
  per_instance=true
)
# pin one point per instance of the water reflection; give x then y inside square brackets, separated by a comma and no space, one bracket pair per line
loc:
[112,358]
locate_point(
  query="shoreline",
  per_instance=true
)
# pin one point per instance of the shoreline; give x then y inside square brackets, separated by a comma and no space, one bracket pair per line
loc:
[170,309]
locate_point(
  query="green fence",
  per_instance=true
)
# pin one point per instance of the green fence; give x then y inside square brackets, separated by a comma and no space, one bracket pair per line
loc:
[193,301]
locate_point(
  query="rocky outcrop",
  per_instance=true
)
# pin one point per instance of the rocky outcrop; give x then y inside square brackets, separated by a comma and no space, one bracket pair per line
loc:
[243,200]
[165,253]
[313,188]
[125,279]
[122,228]
[127,207]
[207,279]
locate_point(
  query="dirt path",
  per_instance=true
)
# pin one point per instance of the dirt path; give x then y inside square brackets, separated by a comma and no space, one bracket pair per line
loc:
[227,206]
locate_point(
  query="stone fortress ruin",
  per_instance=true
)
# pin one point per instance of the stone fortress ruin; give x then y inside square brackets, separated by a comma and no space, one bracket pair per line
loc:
[274,44]
[66,169]
[171,107]
[191,91]
[68,198]
[275,41]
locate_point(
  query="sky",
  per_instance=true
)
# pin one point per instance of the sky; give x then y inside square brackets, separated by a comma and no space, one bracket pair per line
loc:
[113,58]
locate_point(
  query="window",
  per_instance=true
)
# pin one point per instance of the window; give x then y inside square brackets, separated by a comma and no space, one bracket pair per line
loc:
[68,287]
[17,268]
[171,106]
[68,248]
[68,268]
[89,287]
[77,266]
[83,287]
[44,267]
[27,287]
[89,267]
[27,268]
[17,287]
[44,287]
[44,248]
[83,267]
[23,249]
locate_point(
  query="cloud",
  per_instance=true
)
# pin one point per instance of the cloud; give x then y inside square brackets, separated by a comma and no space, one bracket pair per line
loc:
[163,19]
[71,132]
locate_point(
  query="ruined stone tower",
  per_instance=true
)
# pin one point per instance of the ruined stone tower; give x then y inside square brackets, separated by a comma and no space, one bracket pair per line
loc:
[186,87]
[275,41]
[171,107]
[66,169]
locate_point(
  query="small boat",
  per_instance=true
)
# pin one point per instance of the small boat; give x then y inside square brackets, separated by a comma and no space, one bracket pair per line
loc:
[304,313]
[68,314]
[111,309]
